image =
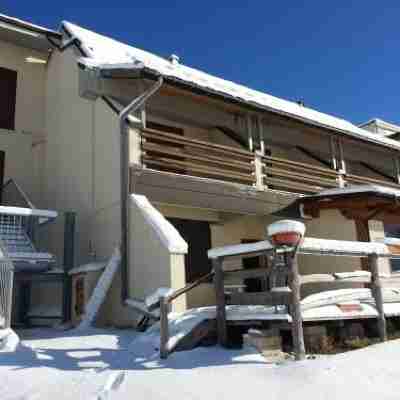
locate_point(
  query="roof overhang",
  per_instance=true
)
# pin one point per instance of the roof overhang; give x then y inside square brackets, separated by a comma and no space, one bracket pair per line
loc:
[140,70]
[364,202]
[27,35]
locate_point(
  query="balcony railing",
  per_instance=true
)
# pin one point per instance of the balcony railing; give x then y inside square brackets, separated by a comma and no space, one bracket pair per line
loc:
[299,177]
[174,153]
[170,152]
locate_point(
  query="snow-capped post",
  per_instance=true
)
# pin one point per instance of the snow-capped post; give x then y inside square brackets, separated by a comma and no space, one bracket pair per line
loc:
[287,236]
[376,289]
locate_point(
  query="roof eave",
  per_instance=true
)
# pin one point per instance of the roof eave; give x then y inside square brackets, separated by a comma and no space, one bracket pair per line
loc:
[139,70]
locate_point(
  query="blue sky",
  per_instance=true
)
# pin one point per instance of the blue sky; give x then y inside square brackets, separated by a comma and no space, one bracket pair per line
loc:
[340,57]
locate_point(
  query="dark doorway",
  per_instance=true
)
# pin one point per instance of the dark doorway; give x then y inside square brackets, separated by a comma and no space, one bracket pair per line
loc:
[2,166]
[198,237]
[8,96]
[252,284]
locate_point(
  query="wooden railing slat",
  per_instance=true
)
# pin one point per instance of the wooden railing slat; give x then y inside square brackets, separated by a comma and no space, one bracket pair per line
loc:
[292,185]
[192,167]
[363,179]
[246,273]
[300,164]
[191,141]
[258,298]
[313,179]
[202,157]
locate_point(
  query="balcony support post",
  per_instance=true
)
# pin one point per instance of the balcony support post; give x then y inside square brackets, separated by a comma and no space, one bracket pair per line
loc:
[261,135]
[396,169]
[259,171]
[250,132]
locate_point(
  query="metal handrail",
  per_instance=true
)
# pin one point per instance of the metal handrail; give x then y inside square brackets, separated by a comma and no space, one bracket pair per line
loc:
[21,200]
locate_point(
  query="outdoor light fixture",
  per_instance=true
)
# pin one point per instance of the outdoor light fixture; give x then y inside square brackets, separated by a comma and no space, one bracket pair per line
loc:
[286,232]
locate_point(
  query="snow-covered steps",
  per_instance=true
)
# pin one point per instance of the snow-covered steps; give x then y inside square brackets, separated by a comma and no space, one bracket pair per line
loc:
[194,324]
[183,324]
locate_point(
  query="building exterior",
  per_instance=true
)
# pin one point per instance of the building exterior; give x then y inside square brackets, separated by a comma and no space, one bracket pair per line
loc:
[211,163]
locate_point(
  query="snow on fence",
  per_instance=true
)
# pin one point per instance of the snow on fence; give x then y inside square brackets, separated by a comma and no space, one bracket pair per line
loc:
[290,295]
[6,288]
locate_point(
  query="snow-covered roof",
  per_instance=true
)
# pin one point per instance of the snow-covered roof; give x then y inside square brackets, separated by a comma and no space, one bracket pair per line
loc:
[104,52]
[28,25]
[381,123]
[356,189]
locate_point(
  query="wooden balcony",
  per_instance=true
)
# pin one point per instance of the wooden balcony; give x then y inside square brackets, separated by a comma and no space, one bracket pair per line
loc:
[180,155]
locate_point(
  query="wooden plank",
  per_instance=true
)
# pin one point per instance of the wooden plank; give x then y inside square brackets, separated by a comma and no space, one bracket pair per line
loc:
[301,165]
[376,288]
[246,273]
[259,298]
[291,185]
[306,178]
[207,158]
[184,139]
[220,300]
[307,168]
[295,308]
[192,167]
[164,328]
[316,278]
[364,179]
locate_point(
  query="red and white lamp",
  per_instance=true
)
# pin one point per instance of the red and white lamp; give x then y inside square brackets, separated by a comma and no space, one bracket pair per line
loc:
[286,233]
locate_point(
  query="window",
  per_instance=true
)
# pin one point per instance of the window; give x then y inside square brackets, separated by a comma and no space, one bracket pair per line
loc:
[8,94]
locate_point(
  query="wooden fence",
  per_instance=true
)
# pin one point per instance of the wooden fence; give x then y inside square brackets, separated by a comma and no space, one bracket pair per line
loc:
[290,295]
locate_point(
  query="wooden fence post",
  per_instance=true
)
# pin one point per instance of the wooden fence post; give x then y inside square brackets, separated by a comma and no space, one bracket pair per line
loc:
[220,297]
[376,288]
[297,321]
[164,328]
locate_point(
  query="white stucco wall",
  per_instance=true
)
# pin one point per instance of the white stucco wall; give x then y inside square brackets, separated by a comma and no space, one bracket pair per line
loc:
[22,161]
[157,253]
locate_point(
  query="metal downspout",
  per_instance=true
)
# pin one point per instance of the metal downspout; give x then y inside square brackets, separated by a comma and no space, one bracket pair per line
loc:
[136,104]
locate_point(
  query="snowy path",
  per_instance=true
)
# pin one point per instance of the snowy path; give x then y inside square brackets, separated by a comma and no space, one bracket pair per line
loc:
[61,365]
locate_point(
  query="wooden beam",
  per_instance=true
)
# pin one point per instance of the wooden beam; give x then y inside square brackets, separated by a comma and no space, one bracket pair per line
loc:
[246,273]
[378,296]
[232,135]
[314,156]
[297,323]
[259,298]
[377,171]
[220,299]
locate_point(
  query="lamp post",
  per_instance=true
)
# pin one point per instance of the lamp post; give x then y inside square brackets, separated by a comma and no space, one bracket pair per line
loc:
[287,235]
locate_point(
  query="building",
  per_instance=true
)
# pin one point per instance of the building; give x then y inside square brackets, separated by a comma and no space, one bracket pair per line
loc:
[211,162]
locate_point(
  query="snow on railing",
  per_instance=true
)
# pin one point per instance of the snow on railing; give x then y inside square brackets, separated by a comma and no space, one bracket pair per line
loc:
[309,245]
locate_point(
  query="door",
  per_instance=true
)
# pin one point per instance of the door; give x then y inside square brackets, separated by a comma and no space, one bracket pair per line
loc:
[198,237]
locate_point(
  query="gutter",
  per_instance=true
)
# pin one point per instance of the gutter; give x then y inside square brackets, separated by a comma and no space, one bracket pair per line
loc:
[135,105]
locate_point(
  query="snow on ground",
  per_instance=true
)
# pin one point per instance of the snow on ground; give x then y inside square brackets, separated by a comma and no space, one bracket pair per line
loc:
[97,365]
